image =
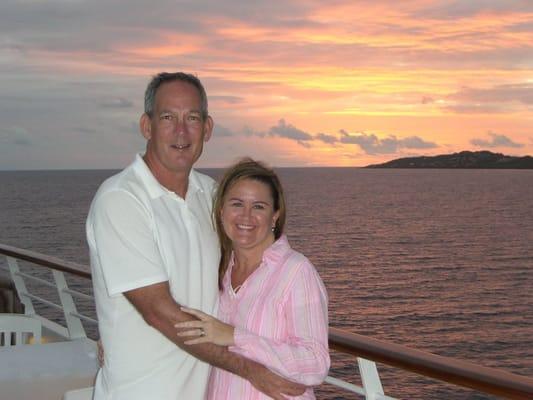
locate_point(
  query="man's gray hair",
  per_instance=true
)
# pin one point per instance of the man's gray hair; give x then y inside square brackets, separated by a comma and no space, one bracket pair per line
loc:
[164,77]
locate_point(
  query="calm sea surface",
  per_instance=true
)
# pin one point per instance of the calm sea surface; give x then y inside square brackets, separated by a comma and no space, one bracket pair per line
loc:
[439,260]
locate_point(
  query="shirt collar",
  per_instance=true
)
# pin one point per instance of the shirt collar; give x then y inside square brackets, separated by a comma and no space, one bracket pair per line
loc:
[155,189]
[277,251]
[273,255]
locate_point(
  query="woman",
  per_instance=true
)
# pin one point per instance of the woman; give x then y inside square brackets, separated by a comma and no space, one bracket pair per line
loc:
[273,304]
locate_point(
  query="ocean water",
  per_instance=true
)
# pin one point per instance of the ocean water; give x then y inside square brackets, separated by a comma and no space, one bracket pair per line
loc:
[438,260]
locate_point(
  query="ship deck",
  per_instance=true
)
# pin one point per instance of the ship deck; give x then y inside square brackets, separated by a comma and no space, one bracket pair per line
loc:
[46,371]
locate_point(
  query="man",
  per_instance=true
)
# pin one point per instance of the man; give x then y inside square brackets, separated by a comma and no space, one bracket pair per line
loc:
[152,248]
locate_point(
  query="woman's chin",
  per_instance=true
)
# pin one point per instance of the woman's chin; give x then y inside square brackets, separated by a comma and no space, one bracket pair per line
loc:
[245,244]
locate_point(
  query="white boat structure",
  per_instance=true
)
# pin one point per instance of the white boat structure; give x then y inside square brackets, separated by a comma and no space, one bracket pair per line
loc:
[41,359]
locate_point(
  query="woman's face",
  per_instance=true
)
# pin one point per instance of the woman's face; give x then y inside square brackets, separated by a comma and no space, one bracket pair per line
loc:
[248,215]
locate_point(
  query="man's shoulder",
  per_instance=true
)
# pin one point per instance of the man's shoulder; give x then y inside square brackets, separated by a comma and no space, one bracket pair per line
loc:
[203,181]
[125,185]
[125,180]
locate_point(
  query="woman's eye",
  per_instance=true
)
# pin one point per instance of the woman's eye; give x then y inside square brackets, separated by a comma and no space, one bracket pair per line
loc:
[259,206]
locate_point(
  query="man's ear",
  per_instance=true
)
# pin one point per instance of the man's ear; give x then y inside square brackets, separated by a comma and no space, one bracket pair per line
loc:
[145,125]
[208,128]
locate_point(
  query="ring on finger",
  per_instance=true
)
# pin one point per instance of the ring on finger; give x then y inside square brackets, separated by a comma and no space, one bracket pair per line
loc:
[202,332]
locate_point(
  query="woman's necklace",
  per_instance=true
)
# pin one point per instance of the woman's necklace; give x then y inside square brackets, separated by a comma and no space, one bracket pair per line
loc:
[238,287]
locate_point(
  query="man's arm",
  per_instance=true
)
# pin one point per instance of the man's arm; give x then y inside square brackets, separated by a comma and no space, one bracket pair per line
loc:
[160,311]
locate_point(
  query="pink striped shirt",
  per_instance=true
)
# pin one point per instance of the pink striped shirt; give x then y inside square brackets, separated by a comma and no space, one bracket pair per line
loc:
[280,316]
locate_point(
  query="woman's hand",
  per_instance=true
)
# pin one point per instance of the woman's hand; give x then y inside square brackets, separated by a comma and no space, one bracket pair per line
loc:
[207,330]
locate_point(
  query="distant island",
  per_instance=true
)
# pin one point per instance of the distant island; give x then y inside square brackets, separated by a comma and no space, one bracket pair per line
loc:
[464,159]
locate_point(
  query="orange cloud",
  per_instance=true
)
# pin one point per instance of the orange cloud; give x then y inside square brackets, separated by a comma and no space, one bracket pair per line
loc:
[418,68]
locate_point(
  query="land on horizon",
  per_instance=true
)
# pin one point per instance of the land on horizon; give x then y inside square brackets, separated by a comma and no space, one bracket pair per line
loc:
[464,159]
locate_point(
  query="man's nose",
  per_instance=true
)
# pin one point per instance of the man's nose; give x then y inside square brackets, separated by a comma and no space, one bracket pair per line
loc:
[181,126]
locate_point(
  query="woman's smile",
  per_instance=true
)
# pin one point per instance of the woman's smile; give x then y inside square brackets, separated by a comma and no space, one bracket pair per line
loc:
[248,215]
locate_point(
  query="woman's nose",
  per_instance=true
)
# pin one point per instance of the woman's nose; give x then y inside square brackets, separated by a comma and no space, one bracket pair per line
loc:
[246,211]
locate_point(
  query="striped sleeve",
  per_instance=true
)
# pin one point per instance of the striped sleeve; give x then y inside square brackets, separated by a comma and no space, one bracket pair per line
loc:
[303,356]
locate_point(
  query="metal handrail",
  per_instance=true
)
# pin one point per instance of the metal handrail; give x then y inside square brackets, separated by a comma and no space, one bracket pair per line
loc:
[44,260]
[78,295]
[35,279]
[447,369]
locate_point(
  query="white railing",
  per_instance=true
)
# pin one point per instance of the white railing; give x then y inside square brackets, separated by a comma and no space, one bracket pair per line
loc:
[364,348]
[74,328]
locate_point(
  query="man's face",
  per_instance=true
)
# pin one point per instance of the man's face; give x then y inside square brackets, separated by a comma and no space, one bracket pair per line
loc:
[176,130]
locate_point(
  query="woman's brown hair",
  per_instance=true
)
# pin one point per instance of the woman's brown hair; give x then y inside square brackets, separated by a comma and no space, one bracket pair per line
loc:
[245,169]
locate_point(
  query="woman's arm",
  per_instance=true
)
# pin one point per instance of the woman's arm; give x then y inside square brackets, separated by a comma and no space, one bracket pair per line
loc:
[303,357]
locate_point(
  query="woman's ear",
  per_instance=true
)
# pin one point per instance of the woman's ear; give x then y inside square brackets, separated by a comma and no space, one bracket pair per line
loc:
[275,218]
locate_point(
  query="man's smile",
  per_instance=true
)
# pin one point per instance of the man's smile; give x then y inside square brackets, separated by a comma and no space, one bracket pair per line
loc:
[180,146]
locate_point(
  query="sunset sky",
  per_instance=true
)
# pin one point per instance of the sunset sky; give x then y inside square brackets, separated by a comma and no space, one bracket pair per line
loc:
[294,82]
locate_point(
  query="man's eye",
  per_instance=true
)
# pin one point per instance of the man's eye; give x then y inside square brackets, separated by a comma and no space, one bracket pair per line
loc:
[193,118]
[166,117]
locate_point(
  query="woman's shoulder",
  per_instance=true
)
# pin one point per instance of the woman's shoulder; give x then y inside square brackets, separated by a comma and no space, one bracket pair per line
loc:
[300,275]
[282,255]
[296,262]
[295,259]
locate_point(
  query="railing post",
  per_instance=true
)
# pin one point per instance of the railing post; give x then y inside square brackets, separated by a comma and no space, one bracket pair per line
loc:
[20,286]
[74,325]
[369,378]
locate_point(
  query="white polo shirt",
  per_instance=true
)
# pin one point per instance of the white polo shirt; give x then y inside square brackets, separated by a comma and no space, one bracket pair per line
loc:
[140,233]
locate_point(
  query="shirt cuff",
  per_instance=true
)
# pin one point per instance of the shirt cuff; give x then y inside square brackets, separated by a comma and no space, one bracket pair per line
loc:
[241,337]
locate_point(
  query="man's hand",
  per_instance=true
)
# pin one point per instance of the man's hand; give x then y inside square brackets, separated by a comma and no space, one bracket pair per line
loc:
[274,385]
[100,352]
